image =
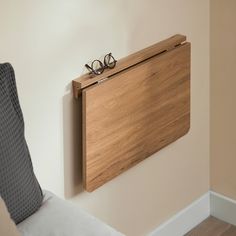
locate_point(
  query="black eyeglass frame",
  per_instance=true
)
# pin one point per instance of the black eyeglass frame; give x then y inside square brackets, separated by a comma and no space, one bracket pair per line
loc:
[102,66]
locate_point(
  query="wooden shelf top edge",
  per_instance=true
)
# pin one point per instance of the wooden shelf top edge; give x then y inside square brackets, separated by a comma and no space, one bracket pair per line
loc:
[126,62]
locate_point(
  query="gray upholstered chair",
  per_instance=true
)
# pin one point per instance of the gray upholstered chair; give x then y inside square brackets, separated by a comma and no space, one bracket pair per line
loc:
[35,212]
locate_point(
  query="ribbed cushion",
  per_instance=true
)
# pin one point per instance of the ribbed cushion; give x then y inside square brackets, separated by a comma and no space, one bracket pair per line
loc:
[18,185]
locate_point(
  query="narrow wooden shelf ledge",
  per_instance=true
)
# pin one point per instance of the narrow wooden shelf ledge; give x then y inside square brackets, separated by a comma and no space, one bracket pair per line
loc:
[86,80]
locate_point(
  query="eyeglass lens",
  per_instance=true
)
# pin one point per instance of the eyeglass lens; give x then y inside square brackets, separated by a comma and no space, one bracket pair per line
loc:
[97,67]
[109,61]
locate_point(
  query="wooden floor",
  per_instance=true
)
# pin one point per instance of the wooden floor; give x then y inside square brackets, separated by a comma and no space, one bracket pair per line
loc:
[213,227]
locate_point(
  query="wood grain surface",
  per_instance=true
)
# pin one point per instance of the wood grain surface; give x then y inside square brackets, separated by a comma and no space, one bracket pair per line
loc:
[213,227]
[122,64]
[134,114]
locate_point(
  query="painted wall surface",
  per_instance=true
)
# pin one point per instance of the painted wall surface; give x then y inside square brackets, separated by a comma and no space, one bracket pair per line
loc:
[223,97]
[48,42]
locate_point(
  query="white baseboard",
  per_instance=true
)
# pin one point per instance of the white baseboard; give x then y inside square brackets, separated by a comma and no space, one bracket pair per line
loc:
[186,219]
[223,208]
[210,203]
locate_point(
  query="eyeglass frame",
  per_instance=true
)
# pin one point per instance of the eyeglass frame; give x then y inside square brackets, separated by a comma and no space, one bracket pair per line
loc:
[103,65]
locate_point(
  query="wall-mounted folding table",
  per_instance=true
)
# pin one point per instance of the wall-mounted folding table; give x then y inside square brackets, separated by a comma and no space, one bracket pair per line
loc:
[132,111]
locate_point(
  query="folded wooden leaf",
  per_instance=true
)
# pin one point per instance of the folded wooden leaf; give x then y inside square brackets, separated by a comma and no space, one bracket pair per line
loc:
[141,107]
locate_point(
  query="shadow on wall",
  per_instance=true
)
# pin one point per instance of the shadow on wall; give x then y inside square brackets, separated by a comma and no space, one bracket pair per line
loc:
[72,134]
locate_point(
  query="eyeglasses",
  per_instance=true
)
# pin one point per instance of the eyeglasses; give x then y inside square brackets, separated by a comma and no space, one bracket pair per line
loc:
[97,67]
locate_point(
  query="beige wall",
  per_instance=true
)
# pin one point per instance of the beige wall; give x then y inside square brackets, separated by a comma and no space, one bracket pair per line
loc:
[223,97]
[7,226]
[49,41]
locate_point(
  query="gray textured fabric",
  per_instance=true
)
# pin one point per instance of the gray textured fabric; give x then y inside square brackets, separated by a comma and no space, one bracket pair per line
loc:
[18,185]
